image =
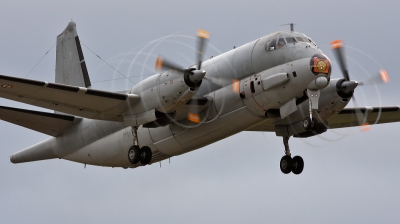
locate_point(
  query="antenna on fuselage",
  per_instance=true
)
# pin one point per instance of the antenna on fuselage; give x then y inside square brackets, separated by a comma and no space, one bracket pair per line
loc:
[291,26]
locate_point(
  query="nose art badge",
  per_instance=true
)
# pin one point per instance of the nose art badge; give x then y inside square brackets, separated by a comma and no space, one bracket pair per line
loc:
[321,66]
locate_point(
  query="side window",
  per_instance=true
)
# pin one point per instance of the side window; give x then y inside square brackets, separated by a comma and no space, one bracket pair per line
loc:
[281,43]
[312,42]
[271,45]
[300,39]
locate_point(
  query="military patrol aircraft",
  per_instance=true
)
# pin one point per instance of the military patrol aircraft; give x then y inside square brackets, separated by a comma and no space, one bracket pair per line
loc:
[278,83]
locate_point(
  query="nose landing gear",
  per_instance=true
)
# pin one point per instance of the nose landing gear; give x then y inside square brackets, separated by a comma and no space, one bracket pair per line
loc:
[289,164]
[137,154]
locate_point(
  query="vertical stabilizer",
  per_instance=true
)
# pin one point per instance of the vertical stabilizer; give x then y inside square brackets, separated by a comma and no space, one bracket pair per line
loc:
[70,63]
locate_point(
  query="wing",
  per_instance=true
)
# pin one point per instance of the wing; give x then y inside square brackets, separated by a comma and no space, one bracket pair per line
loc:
[348,117]
[47,123]
[78,101]
[373,115]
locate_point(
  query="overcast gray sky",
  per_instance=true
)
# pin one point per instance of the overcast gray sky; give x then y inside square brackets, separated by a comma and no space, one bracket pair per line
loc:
[349,176]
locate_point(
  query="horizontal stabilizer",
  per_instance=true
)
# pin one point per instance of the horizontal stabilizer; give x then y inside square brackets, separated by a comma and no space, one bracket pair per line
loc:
[44,122]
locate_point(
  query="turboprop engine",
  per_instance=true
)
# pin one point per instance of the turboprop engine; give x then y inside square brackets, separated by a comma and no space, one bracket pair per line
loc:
[162,94]
[332,100]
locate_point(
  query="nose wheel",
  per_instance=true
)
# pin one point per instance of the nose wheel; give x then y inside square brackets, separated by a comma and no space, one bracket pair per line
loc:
[289,164]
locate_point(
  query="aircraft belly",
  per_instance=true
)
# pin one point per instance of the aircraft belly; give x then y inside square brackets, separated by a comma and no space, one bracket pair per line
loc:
[209,133]
[111,150]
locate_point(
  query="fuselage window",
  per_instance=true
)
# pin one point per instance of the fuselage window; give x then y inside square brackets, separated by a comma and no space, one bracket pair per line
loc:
[281,42]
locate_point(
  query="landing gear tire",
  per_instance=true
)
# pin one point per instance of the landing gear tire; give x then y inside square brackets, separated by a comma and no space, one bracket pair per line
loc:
[134,154]
[286,164]
[146,155]
[307,123]
[298,165]
[314,123]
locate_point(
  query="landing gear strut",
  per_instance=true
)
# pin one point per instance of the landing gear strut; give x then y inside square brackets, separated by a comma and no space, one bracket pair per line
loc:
[288,164]
[137,154]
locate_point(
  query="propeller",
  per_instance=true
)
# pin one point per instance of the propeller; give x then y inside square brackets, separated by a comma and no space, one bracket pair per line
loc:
[346,87]
[195,75]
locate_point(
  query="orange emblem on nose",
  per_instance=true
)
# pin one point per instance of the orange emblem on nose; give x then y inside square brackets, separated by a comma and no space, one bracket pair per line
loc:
[321,65]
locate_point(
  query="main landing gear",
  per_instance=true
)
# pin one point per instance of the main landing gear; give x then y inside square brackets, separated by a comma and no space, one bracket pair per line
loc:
[137,154]
[289,164]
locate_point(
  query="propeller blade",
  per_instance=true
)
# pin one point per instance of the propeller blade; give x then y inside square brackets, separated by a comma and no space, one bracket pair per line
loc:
[202,37]
[162,64]
[193,117]
[235,85]
[361,117]
[383,77]
[337,47]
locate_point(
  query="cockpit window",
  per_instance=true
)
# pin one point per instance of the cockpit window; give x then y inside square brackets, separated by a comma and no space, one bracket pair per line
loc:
[281,43]
[271,45]
[290,40]
[300,39]
[312,42]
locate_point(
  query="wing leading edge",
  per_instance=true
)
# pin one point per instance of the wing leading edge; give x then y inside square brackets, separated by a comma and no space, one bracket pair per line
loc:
[78,101]
[371,115]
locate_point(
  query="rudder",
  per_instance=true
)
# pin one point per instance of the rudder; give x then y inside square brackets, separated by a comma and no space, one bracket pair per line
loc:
[70,63]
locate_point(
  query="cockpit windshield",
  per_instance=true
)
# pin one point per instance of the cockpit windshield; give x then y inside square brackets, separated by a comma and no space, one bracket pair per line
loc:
[275,43]
[281,39]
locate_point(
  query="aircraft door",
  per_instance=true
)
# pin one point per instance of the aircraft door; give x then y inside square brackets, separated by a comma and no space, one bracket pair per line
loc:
[246,88]
[249,88]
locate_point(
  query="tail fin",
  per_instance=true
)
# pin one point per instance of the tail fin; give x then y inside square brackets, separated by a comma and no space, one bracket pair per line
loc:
[70,64]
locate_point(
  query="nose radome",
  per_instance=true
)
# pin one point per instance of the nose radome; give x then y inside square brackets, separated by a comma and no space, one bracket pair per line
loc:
[321,82]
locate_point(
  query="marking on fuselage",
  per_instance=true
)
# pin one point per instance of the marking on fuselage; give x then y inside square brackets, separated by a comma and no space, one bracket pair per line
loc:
[127,134]
[6,86]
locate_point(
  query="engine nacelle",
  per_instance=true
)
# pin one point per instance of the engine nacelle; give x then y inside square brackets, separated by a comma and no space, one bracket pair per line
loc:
[331,102]
[162,93]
